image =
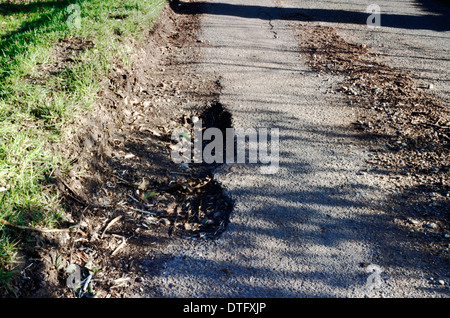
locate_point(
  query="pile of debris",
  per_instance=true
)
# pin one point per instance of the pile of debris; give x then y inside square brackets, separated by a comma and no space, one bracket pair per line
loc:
[406,126]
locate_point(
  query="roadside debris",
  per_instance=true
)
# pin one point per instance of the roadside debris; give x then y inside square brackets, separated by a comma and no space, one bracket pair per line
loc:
[79,280]
[406,126]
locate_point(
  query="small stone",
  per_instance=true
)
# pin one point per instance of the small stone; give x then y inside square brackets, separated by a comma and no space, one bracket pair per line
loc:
[430,86]
[152,220]
[441,282]
[364,264]
[431,225]
[194,119]
[143,185]
[165,221]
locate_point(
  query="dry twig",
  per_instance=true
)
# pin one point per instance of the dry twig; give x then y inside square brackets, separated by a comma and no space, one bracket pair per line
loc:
[110,224]
[30,228]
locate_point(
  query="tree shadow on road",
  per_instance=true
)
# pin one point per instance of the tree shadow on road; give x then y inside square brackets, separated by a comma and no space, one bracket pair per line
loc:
[336,216]
[434,22]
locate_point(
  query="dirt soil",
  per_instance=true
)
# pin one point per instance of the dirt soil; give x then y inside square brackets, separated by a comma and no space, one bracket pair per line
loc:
[124,196]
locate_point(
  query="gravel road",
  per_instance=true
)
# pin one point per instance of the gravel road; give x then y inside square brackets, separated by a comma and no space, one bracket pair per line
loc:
[318,227]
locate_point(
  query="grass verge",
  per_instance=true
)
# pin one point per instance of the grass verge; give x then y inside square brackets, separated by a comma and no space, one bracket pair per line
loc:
[54,58]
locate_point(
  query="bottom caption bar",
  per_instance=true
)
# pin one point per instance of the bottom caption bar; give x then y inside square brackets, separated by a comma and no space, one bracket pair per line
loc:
[229,307]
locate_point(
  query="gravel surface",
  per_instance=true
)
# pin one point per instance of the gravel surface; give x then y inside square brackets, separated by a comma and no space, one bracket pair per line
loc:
[318,227]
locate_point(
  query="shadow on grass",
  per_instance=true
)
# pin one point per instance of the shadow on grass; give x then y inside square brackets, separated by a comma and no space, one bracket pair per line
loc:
[17,42]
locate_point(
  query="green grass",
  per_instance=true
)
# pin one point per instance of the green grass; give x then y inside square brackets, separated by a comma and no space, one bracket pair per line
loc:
[36,106]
